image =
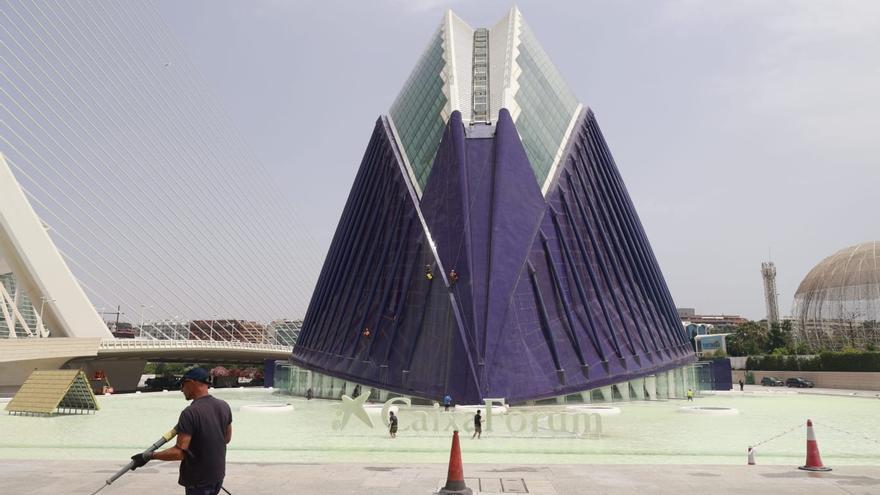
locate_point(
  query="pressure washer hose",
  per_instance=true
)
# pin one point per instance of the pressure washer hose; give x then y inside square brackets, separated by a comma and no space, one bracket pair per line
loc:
[160,442]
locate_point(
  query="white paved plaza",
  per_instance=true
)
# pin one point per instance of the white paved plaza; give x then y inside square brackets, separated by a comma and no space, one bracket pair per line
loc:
[650,447]
[74,477]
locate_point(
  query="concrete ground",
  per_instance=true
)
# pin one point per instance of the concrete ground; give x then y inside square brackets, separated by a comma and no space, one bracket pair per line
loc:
[69,477]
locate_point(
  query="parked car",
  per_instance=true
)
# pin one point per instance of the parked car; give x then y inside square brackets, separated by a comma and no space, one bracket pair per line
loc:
[771,381]
[163,382]
[799,382]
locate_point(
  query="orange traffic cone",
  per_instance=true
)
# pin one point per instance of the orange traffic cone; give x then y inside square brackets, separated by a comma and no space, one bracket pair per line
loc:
[751,456]
[455,479]
[814,461]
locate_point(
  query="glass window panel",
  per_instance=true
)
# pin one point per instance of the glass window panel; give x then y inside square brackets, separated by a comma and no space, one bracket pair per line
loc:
[546,102]
[416,112]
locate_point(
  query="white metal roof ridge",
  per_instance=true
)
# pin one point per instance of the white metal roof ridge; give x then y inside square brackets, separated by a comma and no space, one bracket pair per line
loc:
[512,70]
[457,73]
[551,175]
[410,174]
[447,74]
[505,42]
[459,61]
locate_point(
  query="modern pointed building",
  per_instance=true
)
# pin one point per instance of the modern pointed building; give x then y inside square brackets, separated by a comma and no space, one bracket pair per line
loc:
[489,247]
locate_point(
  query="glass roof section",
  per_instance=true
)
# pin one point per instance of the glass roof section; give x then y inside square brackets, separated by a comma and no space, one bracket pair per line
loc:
[477,72]
[417,111]
[546,105]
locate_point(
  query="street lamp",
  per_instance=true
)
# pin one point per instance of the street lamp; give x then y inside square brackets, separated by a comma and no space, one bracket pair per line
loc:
[43,301]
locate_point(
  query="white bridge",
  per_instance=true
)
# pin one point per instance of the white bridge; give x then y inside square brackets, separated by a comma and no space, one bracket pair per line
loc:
[191,350]
[79,337]
[122,360]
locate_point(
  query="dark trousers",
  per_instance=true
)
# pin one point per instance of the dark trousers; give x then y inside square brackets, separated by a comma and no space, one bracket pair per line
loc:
[204,490]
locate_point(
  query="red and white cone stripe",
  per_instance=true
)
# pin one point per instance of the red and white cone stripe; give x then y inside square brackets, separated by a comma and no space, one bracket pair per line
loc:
[814,460]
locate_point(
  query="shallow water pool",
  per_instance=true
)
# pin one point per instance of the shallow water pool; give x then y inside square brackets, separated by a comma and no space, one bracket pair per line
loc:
[644,432]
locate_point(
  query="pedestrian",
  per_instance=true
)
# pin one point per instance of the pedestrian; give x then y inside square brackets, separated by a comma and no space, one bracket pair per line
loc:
[447,401]
[309,394]
[690,395]
[453,278]
[741,384]
[478,426]
[203,431]
[393,420]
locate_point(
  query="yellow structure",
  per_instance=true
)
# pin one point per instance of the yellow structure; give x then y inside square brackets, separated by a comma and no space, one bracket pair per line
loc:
[48,392]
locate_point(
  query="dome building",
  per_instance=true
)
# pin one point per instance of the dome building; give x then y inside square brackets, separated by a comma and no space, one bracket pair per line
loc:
[838,302]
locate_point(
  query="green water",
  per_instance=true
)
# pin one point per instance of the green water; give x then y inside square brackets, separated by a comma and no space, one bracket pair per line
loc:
[848,430]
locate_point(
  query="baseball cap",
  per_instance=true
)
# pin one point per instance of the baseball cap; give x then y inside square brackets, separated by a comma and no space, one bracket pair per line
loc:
[196,374]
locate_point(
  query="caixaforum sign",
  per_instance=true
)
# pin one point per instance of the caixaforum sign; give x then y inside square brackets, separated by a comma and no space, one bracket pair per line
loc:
[433,419]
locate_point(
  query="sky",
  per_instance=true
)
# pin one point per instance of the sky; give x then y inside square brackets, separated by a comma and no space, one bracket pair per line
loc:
[745,130]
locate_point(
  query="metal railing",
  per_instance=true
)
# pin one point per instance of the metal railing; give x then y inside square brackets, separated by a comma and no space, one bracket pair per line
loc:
[135,344]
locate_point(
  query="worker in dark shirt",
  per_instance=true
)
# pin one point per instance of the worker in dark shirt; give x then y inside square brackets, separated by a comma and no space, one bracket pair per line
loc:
[393,421]
[478,426]
[203,430]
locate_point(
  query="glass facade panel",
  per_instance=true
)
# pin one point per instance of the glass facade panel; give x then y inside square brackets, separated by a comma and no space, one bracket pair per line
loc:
[662,386]
[651,387]
[417,111]
[680,385]
[283,377]
[293,380]
[547,105]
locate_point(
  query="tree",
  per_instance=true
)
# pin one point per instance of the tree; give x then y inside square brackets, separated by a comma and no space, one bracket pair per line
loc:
[750,338]
[779,337]
[802,349]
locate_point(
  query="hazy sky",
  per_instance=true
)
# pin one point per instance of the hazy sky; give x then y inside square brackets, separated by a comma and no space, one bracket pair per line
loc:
[738,126]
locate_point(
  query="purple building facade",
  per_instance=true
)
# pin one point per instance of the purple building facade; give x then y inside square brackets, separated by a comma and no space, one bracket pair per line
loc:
[489,247]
